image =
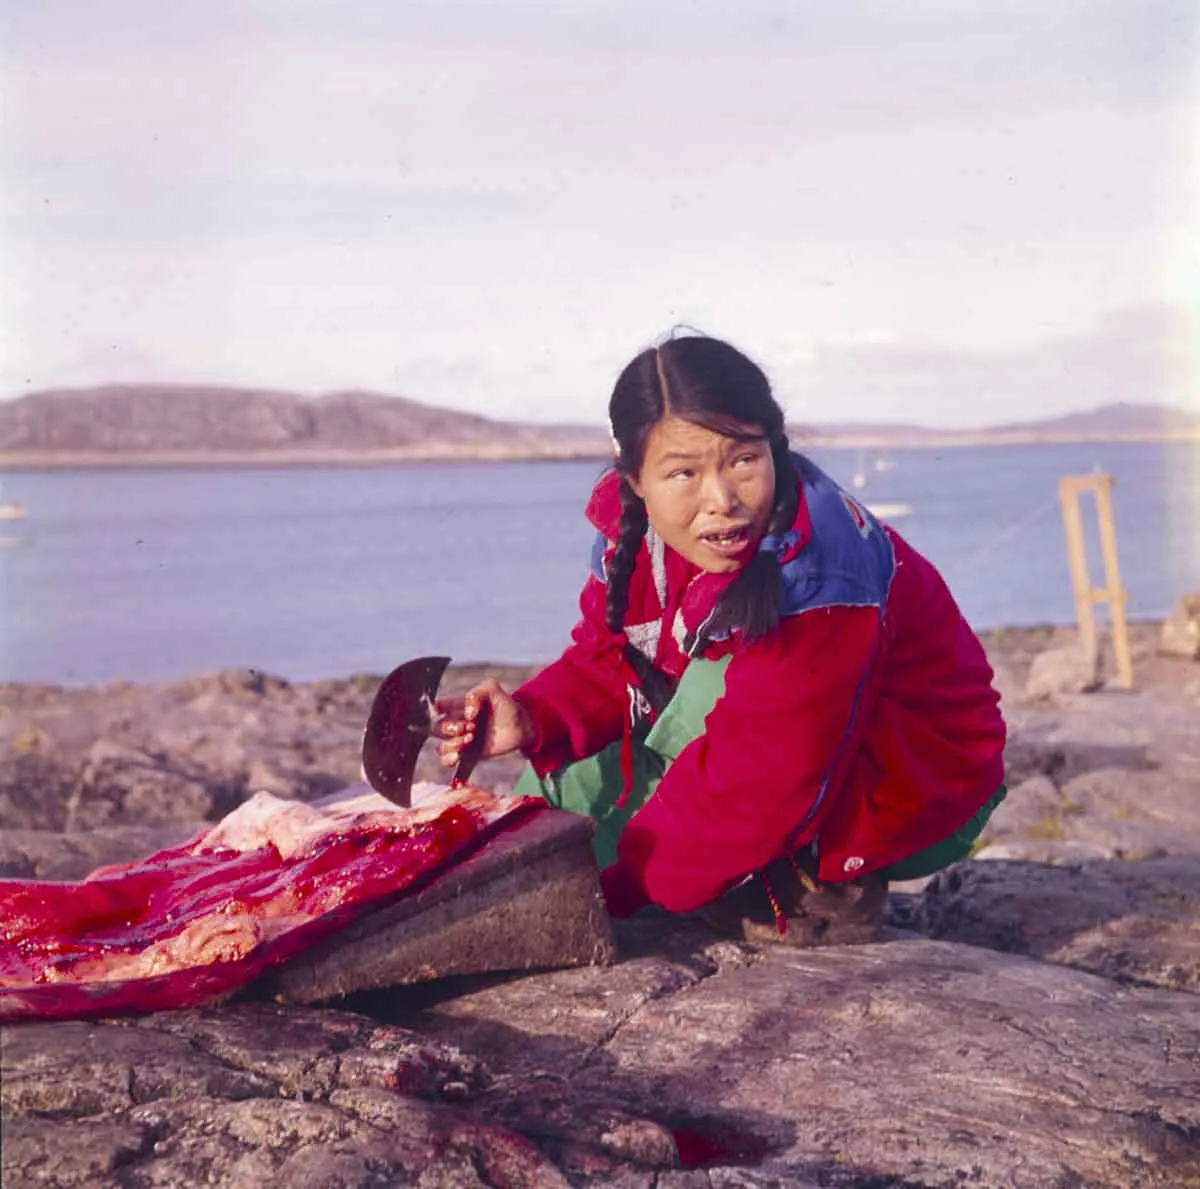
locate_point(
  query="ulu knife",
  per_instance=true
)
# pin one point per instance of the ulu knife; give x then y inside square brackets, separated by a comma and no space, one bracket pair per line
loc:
[400,721]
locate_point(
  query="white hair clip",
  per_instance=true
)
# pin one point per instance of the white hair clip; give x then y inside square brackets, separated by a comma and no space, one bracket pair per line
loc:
[615,444]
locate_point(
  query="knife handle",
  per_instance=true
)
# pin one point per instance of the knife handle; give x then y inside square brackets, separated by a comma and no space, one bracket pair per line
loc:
[469,756]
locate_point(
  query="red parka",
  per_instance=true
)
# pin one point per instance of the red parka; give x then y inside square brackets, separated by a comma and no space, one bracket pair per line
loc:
[866,724]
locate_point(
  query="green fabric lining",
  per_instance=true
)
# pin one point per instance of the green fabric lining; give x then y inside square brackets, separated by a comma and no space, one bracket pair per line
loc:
[950,850]
[592,786]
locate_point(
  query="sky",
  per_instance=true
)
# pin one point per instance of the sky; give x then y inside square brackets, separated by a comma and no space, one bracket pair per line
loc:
[948,213]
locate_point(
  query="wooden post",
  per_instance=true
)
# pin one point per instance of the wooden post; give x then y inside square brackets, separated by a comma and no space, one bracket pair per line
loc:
[1086,596]
[1114,592]
[1085,615]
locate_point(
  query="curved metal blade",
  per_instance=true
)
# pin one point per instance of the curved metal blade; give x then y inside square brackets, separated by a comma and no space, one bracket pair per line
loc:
[398,726]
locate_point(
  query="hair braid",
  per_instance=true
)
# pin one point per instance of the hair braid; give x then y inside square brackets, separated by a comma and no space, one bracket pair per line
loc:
[751,601]
[620,569]
[787,496]
[655,684]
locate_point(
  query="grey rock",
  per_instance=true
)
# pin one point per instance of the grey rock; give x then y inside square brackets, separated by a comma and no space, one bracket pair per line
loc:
[1059,854]
[43,854]
[1046,1033]
[249,1095]
[1134,814]
[1033,810]
[854,1062]
[1181,632]
[125,785]
[123,755]
[34,790]
[856,1023]
[1127,921]
[1065,670]
[1115,772]
[43,1150]
[917,1062]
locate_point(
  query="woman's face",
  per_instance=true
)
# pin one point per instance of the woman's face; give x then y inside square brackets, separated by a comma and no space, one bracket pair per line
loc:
[708,496]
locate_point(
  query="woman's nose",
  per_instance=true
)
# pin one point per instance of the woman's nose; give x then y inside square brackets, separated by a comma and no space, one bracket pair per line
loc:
[719,494]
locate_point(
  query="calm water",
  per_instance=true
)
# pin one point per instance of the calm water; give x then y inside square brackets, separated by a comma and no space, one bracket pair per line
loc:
[147,574]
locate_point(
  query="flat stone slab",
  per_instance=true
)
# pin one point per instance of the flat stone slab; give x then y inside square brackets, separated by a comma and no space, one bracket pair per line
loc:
[905,1063]
[914,1063]
[529,899]
[1131,922]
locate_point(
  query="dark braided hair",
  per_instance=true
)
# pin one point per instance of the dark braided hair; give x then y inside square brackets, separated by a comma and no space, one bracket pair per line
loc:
[710,383]
[751,600]
[629,540]
[656,685]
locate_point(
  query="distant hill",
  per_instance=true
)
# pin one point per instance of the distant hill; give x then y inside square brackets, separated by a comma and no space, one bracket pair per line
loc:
[1121,420]
[1108,423]
[180,424]
[144,421]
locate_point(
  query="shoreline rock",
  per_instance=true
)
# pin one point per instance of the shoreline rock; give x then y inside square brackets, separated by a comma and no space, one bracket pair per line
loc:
[1032,1017]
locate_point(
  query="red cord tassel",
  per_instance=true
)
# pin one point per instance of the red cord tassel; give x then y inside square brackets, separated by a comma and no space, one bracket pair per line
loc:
[780,919]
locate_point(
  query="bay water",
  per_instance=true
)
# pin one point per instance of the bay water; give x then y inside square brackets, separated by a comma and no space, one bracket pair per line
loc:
[306,572]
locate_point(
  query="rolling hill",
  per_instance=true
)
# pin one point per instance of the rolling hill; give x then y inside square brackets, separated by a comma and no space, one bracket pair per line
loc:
[170,419]
[180,424]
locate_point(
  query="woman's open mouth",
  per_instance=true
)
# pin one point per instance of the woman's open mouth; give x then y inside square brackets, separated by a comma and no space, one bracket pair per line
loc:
[727,542]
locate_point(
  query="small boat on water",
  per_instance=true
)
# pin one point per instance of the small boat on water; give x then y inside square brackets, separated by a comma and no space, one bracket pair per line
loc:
[12,510]
[883,509]
[890,511]
[881,466]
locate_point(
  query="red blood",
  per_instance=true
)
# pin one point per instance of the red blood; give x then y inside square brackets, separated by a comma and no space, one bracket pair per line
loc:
[715,1145]
[695,1148]
[46,928]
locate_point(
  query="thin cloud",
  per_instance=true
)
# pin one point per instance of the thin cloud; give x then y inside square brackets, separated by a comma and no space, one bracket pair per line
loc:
[309,194]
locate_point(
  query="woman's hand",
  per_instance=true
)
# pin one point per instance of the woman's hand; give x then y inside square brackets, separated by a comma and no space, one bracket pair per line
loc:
[509,729]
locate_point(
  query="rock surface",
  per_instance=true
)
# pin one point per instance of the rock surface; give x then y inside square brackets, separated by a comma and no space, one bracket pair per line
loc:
[1181,632]
[1066,670]
[1031,1019]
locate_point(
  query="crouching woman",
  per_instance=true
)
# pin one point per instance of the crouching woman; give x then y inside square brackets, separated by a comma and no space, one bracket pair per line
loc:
[771,705]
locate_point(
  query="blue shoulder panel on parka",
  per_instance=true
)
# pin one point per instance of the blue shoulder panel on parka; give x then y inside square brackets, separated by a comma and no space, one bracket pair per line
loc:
[848,561]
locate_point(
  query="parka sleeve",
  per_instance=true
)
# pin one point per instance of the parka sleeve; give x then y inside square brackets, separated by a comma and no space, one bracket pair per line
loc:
[578,702]
[766,768]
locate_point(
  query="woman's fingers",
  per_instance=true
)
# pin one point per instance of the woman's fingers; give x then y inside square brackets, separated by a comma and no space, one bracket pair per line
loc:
[451,720]
[457,717]
[455,736]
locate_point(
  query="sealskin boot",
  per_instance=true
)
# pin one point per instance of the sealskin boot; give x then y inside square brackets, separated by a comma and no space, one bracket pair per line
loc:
[785,905]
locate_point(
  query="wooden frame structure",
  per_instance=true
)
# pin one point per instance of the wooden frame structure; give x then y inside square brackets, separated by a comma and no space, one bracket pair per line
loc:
[1070,487]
